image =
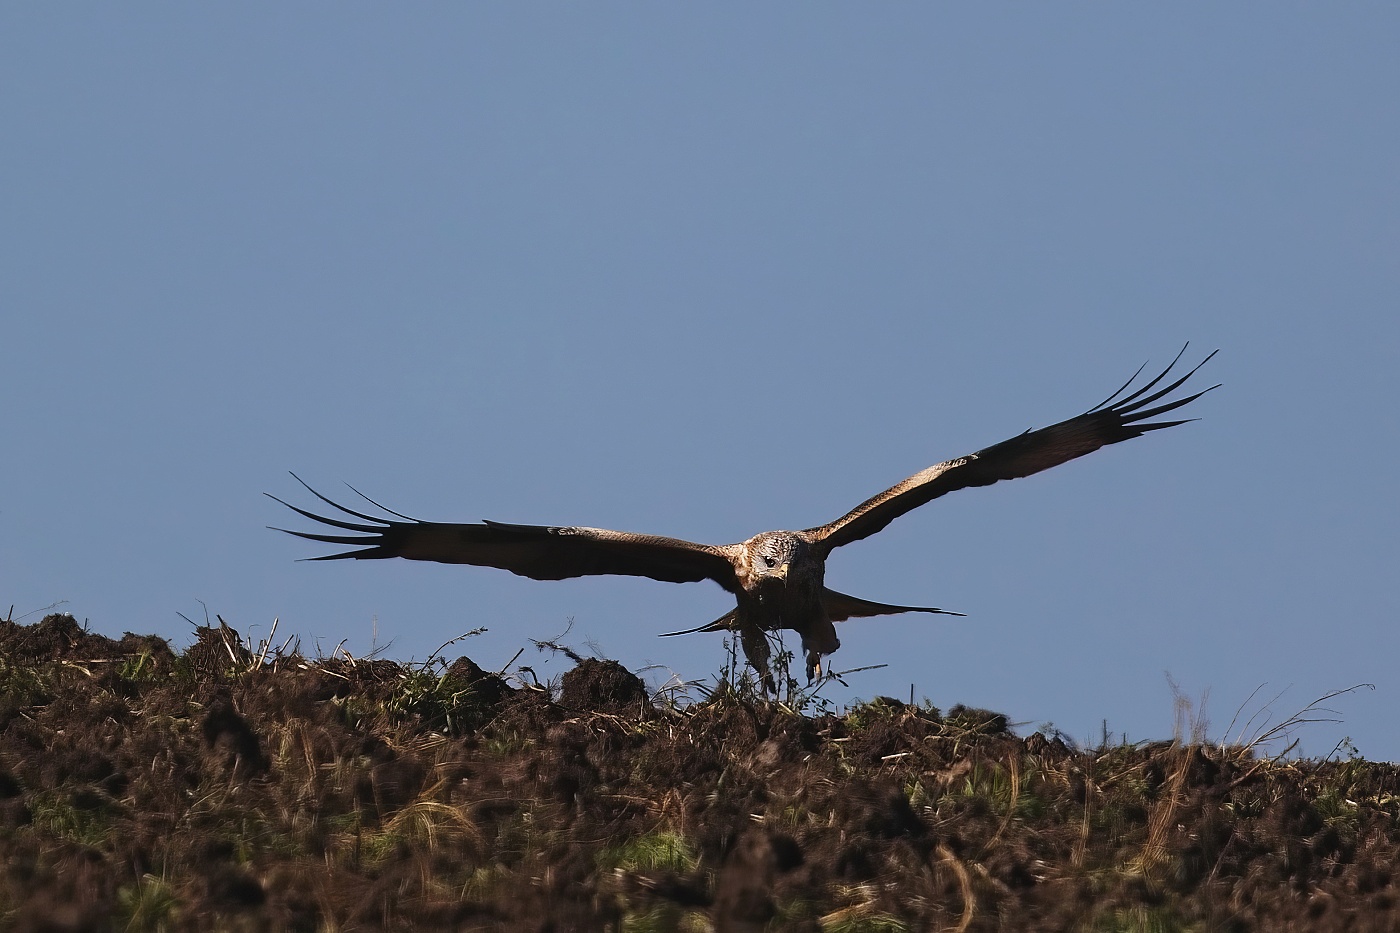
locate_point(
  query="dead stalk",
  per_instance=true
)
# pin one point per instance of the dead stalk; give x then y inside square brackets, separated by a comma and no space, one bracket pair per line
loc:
[1307,714]
[1014,775]
[1163,815]
[964,885]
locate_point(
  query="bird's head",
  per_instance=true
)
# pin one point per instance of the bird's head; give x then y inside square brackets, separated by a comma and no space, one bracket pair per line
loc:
[775,556]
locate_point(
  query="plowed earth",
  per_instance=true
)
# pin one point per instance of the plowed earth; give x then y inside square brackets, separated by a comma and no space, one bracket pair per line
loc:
[144,789]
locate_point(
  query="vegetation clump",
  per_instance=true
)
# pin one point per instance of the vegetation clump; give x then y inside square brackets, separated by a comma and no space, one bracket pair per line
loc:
[238,787]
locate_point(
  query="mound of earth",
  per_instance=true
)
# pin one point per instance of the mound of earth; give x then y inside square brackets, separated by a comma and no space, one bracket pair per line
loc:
[141,788]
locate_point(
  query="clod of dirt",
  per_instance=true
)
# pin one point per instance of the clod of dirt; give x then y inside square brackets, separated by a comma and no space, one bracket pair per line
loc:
[216,650]
[888,815]
[604,686]
[489,688]
[59,636]
[228,733]
[44,916]
[979,721]
[744,901]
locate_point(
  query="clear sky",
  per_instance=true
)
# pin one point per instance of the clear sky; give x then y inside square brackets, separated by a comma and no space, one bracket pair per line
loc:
[708,270]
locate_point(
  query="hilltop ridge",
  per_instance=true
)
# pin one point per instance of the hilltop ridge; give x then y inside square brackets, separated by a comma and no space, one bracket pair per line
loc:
[145,788]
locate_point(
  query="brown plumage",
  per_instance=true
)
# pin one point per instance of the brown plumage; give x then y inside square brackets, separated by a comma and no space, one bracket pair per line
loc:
[777,576]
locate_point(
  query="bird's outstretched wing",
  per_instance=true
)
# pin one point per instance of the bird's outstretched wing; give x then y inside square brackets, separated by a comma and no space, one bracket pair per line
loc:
[1118,418]
[536,551]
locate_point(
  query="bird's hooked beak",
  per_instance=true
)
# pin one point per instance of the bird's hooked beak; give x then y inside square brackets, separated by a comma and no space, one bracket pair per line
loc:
[772,585]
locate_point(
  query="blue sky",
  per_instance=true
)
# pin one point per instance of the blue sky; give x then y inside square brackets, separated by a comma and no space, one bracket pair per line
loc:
[706,271]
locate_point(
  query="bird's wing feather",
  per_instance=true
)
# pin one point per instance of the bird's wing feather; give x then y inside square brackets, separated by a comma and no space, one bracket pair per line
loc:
[724,623]
[840,607]
[1117,418]
[536,551]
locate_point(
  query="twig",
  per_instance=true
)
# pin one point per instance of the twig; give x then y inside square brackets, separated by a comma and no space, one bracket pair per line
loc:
[553,644]
[61,602]
[266,645]
[1300,718]
[452,641]
[502,671]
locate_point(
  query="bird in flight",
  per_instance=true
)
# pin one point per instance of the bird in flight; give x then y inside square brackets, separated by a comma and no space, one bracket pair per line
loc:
[777,577]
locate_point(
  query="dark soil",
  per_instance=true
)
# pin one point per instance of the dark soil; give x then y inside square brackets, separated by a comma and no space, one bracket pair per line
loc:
[143,789]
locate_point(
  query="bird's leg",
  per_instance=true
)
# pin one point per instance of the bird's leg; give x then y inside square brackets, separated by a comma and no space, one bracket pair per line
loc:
[819,639]
[756,650]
